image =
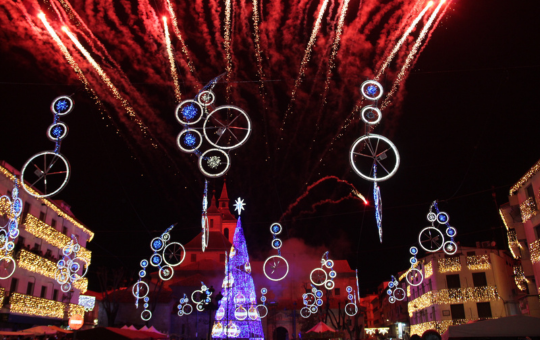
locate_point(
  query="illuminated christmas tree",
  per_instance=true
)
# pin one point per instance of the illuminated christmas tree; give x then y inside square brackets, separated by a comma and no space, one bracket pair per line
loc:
[237,316]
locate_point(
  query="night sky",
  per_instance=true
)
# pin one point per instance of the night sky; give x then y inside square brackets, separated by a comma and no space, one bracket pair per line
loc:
[465,123]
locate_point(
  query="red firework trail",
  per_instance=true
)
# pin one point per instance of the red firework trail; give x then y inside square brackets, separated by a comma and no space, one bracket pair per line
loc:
[305,60]
[402,40]
[402,74]
[308,189]
[170,54]
[328,201]
[179,36]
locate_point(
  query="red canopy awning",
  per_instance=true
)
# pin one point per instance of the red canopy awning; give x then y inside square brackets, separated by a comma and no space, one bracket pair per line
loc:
[321,327]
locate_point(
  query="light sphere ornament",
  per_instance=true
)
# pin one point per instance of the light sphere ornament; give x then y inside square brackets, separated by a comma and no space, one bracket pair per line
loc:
[276,268]
[189,112]
[214,163]
[371,115]
[189,140]
[371,90]
[62,105]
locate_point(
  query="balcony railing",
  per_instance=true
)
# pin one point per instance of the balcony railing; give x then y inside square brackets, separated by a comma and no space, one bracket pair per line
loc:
[451,264]
[478,262]
[534,249]
[31,305]
[528,209]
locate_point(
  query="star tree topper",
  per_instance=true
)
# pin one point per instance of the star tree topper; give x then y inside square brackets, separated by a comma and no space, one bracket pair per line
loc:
[239,205]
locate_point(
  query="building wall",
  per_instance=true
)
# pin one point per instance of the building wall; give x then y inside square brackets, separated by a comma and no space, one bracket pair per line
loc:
[435,304]
[38,248]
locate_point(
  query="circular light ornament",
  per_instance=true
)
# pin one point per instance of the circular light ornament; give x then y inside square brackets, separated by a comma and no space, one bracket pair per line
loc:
[166,273]
[351,309]
[276,228]
[57,131]
[214,163]
[451,231]
[142,273]
[431,217]
[374,150]
[144,263]
[332,274]
[155,260]
[305,312]
[391,299]
[146,315]
[276,243]
[189,140]
[371,115]
[349,289]
[431,239]
[414,250]
[413,260]
[49,172]
[313,309]
[264,291]
[174,254]
[371,90]
[62,105]
[240,313]
[275,268]
[399,294]
[414,277]
[189,112]
[450,247]
[206,98]
[65,287]
[227,127]
[262,310]
[442,218]
[156,244]
[7,267]
[188,309]
[318,276]
[329,284]
[391,284]
[140,290]
[329,264]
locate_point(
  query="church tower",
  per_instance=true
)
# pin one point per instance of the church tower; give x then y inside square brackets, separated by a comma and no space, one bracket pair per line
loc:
[228,222]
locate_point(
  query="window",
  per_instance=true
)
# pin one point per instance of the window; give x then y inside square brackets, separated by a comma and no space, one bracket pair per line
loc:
[14,285]
[338,291]
[479,279]
[452,281]
[226,233]
[30,289]
[53,223]
[193,257]
[457,311]
[484,309]
[211,223]
[537,231]
[221,257]
[471,253]
[530,191]
[42,216]
[64,230]
[43,292]
[26,209]
[55,294]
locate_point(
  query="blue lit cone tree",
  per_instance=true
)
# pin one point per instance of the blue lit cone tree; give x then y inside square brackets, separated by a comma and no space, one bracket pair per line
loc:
[237,316]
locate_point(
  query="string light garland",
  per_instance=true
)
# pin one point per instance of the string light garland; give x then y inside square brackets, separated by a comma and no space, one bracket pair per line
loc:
[534,249]
[31,305]
[453,296]
[519,277]
[503,217]
[528,209]
[10,232]
[451,264]
[513,244]
[478,262]
[2,296]
[428,269]
[50,205]
[52,236]
[39,265]
[525,178]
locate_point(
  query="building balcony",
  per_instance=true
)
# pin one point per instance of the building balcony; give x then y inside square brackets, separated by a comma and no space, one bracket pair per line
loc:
[528,209]
[478,262]
[52,236]
[534,249]
[451,264]
[440,326]
[31,305]
[519,277]
[513,244]
[42,266]
[453,296]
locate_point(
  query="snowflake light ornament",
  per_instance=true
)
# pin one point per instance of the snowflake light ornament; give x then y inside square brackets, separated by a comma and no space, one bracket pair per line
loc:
[239,205]
[214,162]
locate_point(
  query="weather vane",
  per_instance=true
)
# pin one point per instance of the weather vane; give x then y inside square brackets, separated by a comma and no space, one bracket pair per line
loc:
[239,205]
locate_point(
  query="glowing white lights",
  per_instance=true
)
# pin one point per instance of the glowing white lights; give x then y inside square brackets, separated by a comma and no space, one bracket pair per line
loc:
[371,90]
[319,277]
[189,112]
[239,205]
[371,115]
[275,267]
[431,239]
[227,130]
[43,170]
[217,163]
[71,267]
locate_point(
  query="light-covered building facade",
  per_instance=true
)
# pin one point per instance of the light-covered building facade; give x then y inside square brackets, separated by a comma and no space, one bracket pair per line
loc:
[30,294]
[522,221]
[475,283]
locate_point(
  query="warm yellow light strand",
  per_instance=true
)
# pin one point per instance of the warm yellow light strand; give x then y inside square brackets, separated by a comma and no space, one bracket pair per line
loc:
[179,36]
[31,305]
[451,264]
[532,171]
[478,262]
[453,296]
